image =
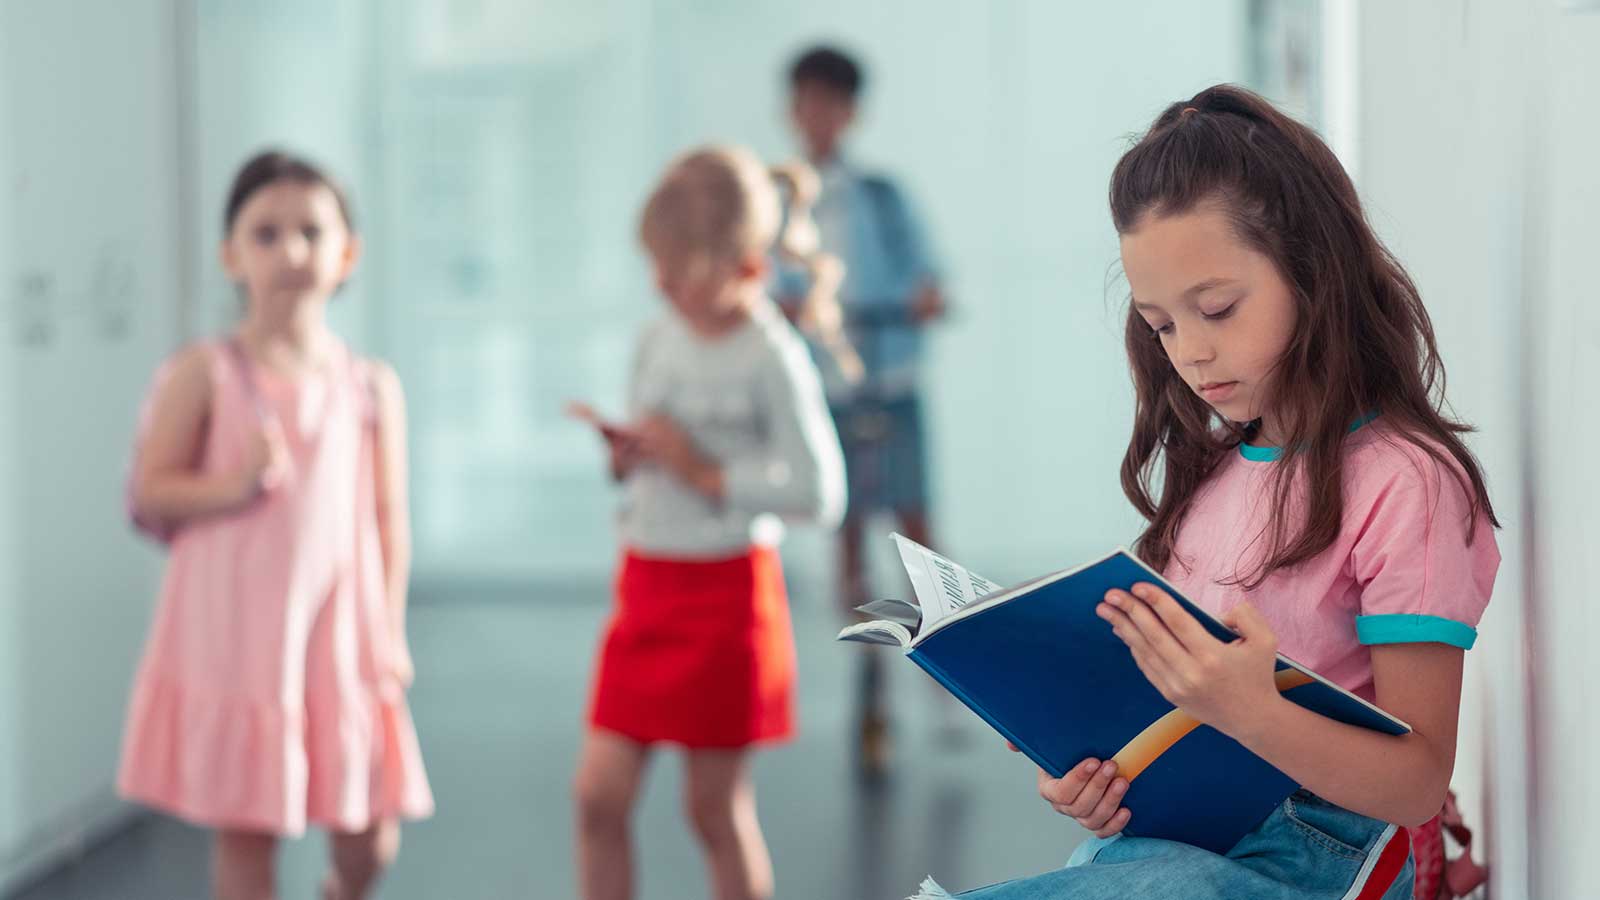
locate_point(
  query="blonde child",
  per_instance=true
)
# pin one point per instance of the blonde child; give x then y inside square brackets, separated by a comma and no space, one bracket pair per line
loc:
[727,432]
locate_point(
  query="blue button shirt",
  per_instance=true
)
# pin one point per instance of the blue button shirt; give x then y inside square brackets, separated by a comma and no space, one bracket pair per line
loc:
[865,221]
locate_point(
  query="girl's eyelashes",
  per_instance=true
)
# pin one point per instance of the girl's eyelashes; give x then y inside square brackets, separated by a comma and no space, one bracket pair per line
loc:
[1157,329]
[1168,328]
[266,234]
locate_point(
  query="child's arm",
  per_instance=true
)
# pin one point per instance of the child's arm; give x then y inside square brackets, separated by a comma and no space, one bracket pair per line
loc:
[1397,779]
[927,300]
[620,441]
[166,485]
[799,473]
[661,440]
[624,458]
[394,511]
[928,304]
[1400,779]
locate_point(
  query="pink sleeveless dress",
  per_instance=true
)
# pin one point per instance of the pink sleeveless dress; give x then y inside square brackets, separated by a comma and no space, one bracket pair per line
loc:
[263,700]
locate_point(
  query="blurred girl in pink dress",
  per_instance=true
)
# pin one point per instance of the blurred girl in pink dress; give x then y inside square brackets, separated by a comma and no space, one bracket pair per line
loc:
[272,689]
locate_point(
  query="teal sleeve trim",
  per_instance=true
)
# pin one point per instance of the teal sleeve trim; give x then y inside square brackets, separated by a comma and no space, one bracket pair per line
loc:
[1410,629]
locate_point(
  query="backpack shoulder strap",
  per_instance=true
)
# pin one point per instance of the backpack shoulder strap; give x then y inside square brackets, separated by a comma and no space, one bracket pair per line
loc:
[246,370]
[889,212]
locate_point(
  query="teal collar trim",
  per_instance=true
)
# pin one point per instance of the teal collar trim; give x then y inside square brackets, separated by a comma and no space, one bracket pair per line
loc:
[1273,454]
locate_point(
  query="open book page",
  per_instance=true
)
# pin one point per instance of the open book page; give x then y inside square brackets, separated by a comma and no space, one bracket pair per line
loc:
[893,622]
[943,588]
[880,631]
[907,614]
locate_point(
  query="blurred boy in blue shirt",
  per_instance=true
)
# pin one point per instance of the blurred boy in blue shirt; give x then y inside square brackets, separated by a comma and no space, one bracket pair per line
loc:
[890,294]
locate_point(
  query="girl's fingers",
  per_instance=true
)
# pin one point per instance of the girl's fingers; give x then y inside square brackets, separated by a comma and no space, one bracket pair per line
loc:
[1095,791]
[1117,823]
[1151,628]
[1064,791]
[1155,669]
[1250,624]
[1183,626]
[1127,629]
[1107,808]
[1120,623]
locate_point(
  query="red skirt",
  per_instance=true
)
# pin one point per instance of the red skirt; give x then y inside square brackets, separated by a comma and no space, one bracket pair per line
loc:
[698,653]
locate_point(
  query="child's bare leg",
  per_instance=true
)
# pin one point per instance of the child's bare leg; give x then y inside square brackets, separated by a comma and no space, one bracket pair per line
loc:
[852,566]
[243,864]
[610,770]
[359,860]
[721,801]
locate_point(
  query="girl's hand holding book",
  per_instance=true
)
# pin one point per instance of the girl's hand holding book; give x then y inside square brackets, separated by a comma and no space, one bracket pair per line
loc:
[1226,685]
[1091,793]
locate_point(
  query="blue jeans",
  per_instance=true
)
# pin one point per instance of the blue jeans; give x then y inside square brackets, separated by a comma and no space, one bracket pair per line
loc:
[1308,849]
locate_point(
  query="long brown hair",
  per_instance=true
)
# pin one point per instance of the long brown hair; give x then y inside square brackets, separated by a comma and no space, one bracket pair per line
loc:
[1362,343]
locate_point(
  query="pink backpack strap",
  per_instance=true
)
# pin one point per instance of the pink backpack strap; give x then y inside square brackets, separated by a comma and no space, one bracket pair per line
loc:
[246,369]
[365,381]
[1427,853]
[227,352]
[1462,875]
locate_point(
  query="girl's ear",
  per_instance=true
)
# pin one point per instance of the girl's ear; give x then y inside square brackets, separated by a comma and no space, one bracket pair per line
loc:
[230,261]
[353,249]
[752,267]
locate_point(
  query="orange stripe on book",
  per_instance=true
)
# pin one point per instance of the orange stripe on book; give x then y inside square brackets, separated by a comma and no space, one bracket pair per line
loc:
[1148,745]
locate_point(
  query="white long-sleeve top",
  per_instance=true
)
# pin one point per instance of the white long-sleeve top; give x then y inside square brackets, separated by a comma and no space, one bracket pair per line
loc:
[752,401]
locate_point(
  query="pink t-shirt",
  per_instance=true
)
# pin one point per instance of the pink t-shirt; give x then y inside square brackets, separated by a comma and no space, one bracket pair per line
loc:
[1402,569]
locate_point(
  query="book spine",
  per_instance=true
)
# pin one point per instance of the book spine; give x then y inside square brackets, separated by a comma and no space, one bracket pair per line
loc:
[920,657]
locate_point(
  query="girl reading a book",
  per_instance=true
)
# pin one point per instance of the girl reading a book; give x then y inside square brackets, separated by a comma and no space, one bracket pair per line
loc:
[727,431]
[1300,481]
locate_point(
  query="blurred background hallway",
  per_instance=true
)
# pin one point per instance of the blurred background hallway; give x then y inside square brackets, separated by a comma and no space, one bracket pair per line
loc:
[498,150]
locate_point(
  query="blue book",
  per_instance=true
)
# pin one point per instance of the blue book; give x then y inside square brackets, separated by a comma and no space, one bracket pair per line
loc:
[1037,664]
